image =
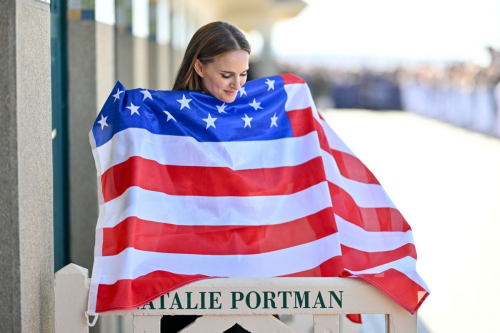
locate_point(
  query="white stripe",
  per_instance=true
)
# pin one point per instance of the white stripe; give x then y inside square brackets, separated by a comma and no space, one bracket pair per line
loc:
[356,237]
[132,263]
[181,150]
[406,265]
[199,210]
[334,140]
[364,195]
[299,97]
[96,269]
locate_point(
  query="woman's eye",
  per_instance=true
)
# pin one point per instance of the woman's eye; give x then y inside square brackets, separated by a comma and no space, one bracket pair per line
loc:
[244,74]
[226,76]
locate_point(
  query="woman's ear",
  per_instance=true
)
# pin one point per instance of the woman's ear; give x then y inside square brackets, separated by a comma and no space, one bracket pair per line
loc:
[198,67]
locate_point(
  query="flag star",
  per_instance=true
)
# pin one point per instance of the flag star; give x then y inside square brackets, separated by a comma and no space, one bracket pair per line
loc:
[103,122]
[255,105]
[273,120]
[133,109]
[242,91]
[210,121]
[221,108]
[184,102]
[247,120]
[169,116]
[146,94]
[270,83]
[117,95]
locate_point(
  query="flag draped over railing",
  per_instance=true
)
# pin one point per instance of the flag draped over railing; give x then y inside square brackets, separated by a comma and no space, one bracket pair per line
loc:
[192,188]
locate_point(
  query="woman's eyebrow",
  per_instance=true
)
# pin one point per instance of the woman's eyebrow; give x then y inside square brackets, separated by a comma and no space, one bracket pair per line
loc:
[246,70]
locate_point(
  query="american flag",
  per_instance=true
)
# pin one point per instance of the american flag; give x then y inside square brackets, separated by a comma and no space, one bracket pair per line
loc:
[192,188]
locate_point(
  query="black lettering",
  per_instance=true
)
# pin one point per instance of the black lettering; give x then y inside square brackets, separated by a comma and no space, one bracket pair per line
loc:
[319,299]
[162,302]
[189,301]
[214,300]
[257,298]
[234,300]
[285,293]
[268,299]
[202,293]
[337,299]
[176,302]
[302,300]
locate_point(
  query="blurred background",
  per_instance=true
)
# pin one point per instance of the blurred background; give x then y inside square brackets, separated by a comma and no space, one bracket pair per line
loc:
[411,86]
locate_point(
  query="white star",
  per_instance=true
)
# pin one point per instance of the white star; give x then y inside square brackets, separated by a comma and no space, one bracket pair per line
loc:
[273,120]
[247,120]
[184,102]
[103,122]
[169,116]
[221,108]
[255,105]
[242,91]
[270,83]
[210,121]
[117,95]
[147,94]
[133,109]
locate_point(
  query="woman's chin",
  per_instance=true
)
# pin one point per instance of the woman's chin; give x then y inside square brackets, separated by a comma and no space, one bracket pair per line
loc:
[227,98]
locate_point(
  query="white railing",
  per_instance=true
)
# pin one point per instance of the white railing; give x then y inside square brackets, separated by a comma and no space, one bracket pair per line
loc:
[247,302]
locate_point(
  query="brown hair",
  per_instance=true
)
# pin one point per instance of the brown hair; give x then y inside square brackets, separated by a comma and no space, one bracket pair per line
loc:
[210,41]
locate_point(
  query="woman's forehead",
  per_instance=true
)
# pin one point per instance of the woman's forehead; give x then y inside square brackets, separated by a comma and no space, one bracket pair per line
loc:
[234,61]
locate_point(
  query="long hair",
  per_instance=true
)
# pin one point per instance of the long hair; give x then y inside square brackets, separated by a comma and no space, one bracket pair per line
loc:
[210,41]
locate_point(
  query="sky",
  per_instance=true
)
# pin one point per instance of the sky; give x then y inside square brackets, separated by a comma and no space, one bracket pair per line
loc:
[391,30]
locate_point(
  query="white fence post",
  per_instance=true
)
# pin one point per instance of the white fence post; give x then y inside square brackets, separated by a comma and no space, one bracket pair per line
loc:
[146,324]
[71,288]
[326,324]
[400,321]
[325,299]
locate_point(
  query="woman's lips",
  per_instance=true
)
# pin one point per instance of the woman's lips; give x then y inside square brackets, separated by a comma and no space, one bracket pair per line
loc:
[231,92]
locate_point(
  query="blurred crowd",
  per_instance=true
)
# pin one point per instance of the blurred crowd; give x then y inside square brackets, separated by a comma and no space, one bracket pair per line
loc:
[462,94]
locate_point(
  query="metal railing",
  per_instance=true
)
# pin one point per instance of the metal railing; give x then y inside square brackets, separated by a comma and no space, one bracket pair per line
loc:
[222,303]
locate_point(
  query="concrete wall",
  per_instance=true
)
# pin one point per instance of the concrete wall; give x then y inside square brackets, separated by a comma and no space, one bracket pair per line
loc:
[125,59]
[91,62]
[141,64]
[82,100]
[105,62]
[26,239]
[153,70]
[164,79]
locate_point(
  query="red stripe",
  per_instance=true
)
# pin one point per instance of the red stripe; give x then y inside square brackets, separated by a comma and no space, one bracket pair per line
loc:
[303,123]
[289,78]
[216,240]
[357,260]
[209,181]
[370,219]
[130,294]
[403,290]
[393,283]
[355,318]
[350,166]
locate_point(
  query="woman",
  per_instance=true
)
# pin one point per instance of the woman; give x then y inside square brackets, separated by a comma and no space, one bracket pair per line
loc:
[216,63]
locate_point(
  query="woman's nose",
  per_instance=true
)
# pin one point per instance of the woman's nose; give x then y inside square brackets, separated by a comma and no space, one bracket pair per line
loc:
[236,83]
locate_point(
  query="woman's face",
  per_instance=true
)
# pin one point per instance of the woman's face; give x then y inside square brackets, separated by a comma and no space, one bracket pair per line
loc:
[224,76]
